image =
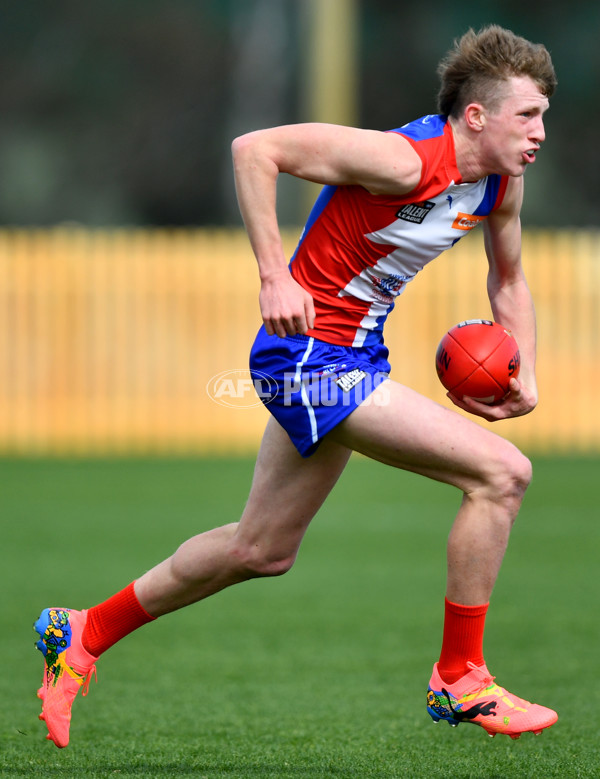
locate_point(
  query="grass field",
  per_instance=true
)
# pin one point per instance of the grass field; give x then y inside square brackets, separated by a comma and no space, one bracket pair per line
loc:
[320,673]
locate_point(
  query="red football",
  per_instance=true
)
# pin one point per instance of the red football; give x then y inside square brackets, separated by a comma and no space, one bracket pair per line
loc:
[478,358]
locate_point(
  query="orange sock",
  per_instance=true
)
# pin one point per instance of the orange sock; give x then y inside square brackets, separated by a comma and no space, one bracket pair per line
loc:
[463,640]
[112,620]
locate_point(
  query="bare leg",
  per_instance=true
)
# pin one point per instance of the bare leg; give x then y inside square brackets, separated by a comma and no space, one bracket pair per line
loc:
[287,491]
[409,431]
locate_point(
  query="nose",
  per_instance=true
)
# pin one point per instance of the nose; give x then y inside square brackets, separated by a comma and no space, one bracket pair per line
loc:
[538,133]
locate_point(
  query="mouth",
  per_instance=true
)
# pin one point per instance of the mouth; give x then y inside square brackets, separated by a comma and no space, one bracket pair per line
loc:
[529,155]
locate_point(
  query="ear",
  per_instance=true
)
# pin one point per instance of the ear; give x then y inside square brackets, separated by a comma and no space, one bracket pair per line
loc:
[475,117]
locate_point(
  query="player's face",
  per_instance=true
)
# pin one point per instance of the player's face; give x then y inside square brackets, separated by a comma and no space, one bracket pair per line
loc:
[515,131]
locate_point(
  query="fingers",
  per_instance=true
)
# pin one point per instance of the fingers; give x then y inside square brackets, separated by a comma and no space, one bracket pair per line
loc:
[292,323]
[282,326]
[287,308]
[517,402]
[309,311]
[514,388]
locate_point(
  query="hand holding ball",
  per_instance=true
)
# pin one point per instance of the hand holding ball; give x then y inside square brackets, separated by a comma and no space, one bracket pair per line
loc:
[478,358]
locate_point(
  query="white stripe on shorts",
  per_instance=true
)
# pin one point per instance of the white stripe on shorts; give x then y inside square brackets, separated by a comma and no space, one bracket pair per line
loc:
[305,401]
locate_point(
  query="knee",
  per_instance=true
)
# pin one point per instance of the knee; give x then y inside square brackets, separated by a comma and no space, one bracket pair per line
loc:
[260,560]
[519,474]
[509,477]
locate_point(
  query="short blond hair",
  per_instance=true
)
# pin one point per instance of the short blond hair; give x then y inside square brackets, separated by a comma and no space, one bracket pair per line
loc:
[475,68]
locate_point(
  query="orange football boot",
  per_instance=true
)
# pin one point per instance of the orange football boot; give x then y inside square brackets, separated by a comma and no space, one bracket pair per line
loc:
[477,699]
[67,668]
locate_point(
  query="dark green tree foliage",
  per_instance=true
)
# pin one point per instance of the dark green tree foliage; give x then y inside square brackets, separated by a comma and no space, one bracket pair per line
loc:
[123,111]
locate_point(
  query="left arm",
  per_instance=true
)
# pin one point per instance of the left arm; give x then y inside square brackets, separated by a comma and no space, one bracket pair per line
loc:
[511,302]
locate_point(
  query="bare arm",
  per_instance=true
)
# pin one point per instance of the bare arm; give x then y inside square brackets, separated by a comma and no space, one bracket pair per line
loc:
[511,302]
[326,154]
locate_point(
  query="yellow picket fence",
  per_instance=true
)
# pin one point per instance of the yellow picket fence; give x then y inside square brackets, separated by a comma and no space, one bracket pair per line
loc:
[131,341]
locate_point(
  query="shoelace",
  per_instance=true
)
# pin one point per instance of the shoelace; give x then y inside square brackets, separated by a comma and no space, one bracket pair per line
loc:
[488,679]
[85,687]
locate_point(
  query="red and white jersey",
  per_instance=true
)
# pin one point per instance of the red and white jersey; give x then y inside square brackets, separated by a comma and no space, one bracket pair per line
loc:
[358,251]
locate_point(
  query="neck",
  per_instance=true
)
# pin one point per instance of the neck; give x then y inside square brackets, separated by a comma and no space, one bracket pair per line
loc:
[467,153]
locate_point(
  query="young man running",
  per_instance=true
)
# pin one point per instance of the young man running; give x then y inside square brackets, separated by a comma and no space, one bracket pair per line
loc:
[391,202]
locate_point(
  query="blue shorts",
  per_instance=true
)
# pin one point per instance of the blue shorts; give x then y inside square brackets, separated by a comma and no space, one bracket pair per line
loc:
[310,386]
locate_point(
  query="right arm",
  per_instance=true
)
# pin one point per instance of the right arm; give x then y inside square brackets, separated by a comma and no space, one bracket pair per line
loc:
[383,163]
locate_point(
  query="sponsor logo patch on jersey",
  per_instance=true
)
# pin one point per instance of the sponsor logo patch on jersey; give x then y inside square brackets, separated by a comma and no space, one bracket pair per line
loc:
[466,221]
[415,212]
[388,288]
[349,380]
